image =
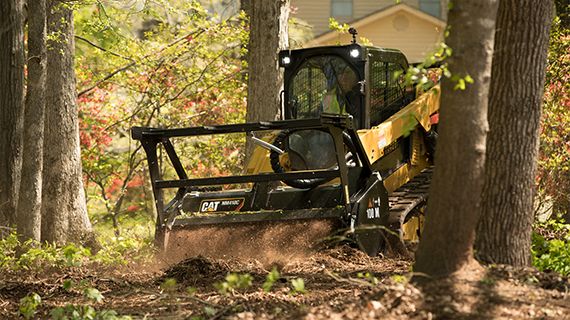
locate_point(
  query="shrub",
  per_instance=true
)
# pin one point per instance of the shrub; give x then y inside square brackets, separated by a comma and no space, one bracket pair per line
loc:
[551,247]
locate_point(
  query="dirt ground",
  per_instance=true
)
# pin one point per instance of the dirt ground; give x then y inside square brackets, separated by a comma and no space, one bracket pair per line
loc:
[340,283]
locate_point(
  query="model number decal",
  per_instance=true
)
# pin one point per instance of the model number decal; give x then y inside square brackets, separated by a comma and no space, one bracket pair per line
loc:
[214,205]
[372,213]
[373,210]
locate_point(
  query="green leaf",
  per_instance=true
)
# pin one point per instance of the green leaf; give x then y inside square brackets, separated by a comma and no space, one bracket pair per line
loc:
[29,304]
[460,85]
[210,311]
[298,285]
[67,284]
[57,313]
[270,279]
[169,284]
[93,294]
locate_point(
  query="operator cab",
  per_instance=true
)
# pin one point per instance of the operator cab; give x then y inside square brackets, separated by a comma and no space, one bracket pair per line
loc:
[363,81]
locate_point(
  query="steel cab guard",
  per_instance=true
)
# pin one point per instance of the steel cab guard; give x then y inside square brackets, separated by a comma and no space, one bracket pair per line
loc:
[363,81]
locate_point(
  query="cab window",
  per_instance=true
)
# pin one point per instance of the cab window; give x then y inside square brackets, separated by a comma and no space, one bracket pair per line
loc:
[324,84]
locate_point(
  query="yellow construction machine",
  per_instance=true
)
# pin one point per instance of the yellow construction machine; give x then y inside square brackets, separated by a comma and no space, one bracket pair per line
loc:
[354,147]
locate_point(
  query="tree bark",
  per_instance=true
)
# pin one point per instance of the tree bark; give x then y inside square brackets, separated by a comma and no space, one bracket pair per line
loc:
[268,34]
[64,212]
[517,87]
[454,203]
[11,106]
[30,195]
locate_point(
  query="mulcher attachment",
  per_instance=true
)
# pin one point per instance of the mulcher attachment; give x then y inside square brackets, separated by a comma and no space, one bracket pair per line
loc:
[355,199]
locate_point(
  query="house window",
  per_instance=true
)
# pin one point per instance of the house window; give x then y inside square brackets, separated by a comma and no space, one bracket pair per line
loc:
[431,7]
[341,8]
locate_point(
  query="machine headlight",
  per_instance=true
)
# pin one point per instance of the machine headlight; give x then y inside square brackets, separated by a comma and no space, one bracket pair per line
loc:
[285,60]
[355,53]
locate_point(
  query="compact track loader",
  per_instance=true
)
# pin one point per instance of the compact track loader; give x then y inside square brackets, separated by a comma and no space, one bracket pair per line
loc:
[354,147]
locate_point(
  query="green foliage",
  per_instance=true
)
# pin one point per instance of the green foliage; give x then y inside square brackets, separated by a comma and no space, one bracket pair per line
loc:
[38,256]
[29,304]
[551,247]
[35,256]
[210,311]
[368,277]
[270,279]
[554,158]
[298,286]
[191,290]
[124,249]
[423,75]
[233,282]
[461,82]
[342,28]
[67,284]
[93,294]
[8,246]
[398,278]
[488,281]
[156,63]
[334,25]
[85,311]
[169,285]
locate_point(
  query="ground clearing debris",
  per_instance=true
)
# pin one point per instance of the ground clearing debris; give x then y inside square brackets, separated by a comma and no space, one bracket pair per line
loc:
[340,283]
[267,242]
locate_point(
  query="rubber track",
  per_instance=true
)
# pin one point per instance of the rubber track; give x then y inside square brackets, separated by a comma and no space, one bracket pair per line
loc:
[404,199]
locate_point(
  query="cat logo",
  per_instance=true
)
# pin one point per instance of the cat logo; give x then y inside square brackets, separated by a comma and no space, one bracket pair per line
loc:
[209,206]
[222,205]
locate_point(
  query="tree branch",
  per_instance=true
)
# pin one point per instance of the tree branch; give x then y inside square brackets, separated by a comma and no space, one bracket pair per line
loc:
[89,42]
[132,64]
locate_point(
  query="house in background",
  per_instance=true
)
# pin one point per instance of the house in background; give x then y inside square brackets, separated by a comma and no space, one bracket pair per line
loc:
[413,26]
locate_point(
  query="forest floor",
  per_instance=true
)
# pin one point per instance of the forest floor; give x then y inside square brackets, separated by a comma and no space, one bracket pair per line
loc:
[339,283]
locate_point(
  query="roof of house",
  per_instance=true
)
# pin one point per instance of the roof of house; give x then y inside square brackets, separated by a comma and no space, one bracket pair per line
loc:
[380,14]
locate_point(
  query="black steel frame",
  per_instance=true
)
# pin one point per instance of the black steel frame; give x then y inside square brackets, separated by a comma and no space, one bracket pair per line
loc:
[150,139]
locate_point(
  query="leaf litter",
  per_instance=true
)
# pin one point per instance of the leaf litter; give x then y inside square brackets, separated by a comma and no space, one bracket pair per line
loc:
[338,283]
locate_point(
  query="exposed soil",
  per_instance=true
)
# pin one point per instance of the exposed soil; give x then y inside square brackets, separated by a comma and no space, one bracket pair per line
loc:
[340,284]
[267,243]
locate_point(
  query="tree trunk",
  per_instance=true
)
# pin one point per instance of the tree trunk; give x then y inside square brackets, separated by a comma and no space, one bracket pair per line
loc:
[454,203]
[64,213]
[11,106]
[268,34]
[30,195]
[517,86]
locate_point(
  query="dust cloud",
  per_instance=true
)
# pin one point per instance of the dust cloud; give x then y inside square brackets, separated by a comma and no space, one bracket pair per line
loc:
[270,243]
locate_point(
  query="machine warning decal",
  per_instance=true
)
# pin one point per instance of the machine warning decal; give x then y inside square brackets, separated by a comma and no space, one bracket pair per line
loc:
[215,205]
[373,210]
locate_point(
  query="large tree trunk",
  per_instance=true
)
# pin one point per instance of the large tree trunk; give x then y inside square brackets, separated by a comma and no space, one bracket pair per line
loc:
[11,106]
[30,196]
[454,205]
[517,86]
[64,213]
[268,34]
